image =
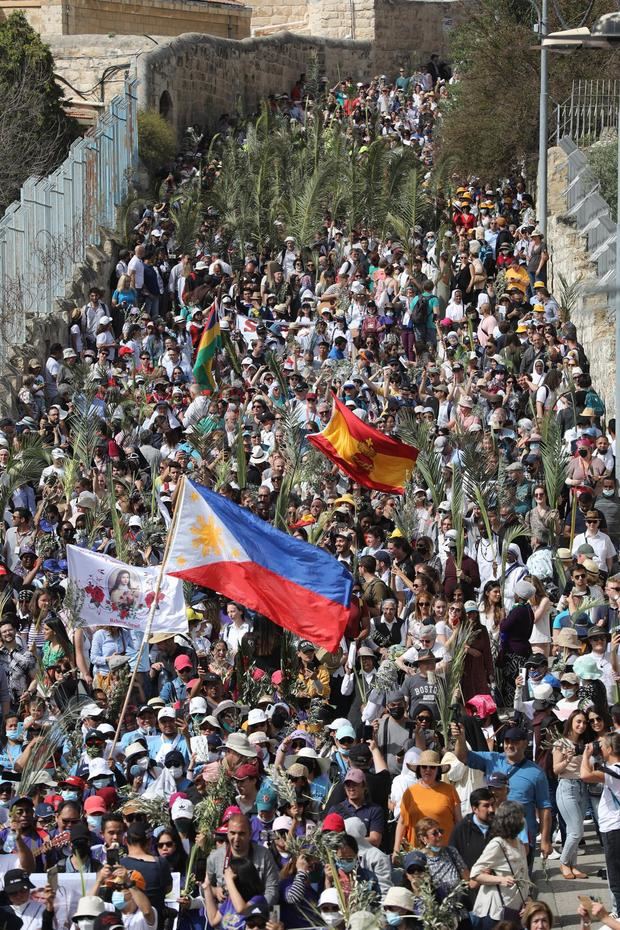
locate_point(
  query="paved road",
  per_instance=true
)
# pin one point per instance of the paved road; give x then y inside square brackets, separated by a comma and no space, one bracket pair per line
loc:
[561,895]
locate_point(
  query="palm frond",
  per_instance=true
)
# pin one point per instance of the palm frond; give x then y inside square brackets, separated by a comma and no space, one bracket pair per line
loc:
[449,684]
[554,459]
[428,463]
[457,509]
[62,730]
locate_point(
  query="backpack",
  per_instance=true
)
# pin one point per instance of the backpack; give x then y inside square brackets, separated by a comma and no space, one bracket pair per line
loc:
[594,401]
[419,314]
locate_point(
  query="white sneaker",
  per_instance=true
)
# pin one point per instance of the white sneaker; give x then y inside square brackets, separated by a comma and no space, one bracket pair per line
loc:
[557,837]
[554,854]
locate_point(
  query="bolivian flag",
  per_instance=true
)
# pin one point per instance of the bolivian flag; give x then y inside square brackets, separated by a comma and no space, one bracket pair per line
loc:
[210,342]
[368,456]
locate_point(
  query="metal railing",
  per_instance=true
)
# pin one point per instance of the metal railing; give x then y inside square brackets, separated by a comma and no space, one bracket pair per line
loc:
[591,109]
[44,237]
[590,213]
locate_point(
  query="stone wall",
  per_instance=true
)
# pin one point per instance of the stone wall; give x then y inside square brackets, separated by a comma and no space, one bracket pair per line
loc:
[134,17]
[408,31]
[92,71]
[205,77]
[404,31]
[595,315]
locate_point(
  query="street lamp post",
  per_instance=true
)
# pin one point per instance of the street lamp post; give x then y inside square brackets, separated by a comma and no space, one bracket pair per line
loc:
[605,34]
[543,121]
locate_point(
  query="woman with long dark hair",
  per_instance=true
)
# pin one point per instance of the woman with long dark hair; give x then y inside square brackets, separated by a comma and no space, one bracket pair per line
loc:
[572,793]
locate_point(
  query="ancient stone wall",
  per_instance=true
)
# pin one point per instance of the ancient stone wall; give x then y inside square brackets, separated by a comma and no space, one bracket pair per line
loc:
[595,315]
[204,77]
[133,17]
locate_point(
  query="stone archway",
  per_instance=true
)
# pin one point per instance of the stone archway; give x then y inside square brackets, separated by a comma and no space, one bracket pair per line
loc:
[166,106]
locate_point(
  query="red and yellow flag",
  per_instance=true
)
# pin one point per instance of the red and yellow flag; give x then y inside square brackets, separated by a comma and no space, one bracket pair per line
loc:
[368,456]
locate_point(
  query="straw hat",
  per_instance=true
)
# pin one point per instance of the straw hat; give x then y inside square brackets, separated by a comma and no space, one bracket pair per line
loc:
[429,757]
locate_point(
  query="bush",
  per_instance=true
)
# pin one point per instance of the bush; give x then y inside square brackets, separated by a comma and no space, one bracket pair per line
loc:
[156,141]
[603,160]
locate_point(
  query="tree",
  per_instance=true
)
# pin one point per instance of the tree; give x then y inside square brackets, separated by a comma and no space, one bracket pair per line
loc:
[35,131]
[490,123]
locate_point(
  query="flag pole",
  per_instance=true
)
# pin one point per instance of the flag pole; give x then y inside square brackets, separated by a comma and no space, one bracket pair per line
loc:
[150,618]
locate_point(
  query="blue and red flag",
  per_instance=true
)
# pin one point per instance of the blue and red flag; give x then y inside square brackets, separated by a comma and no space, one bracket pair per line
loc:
[221,546]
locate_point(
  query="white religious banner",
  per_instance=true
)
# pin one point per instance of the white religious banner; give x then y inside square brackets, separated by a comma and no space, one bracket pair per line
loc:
[112,593]
[247,328]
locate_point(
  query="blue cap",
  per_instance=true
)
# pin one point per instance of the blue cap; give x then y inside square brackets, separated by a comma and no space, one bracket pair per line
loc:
[266,799]
[415,857]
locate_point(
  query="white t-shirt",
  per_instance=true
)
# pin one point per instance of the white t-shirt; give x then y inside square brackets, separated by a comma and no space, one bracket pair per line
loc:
[136,267]
[609,805]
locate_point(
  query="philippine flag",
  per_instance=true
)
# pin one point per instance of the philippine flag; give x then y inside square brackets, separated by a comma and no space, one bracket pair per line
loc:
[221,546]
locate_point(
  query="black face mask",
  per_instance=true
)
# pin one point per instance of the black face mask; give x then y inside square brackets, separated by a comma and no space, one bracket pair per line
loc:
[396,712]
[583,453]
[183,825]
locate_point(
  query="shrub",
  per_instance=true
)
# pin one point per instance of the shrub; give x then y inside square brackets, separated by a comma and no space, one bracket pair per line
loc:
[156,141]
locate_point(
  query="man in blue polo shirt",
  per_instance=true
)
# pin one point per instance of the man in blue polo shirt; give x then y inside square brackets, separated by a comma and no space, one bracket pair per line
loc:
[528,784]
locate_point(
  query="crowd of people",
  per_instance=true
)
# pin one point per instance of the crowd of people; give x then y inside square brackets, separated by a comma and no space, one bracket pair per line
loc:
[253,779]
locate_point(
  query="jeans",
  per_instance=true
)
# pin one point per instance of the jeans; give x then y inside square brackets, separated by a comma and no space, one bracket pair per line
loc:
[611,846]
[572,800]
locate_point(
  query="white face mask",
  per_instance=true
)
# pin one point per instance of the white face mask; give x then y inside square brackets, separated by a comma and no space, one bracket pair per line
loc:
[332,918]
[177,771]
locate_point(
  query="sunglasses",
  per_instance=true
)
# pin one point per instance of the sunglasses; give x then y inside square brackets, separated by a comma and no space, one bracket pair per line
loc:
[425,720]
[579,577]
[424,603]
[434,832]
[595,720]
[415,870]
[165,845]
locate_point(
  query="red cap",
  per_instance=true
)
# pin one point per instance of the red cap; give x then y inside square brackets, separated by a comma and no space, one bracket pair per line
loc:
[125,350]
[109,797]
[230,812]
[333,823]
[95,805]
[74,781]
[182,662]
[54,800]
[247,770]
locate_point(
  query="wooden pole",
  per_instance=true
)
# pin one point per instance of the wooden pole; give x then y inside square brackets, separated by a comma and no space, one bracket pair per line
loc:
[149,624]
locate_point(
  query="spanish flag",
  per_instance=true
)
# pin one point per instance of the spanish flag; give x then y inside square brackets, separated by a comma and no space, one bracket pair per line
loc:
[210,342]
[368,456]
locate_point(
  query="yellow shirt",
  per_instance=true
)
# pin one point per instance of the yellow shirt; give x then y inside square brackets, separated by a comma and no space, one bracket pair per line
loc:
[437,801]
[318,686]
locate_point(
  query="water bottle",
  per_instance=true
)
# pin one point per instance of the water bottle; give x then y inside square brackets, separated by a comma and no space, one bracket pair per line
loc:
[10,842]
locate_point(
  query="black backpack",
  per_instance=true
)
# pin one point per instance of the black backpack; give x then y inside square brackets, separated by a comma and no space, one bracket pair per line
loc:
[419,314]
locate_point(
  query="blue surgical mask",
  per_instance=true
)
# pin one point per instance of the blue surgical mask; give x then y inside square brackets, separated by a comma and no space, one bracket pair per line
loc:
[435,849]
[14,735]
[94,823]
[607,492]
[346,865]
[118,900]
[567,692]
[344,752]
[69,795]
[393,919]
